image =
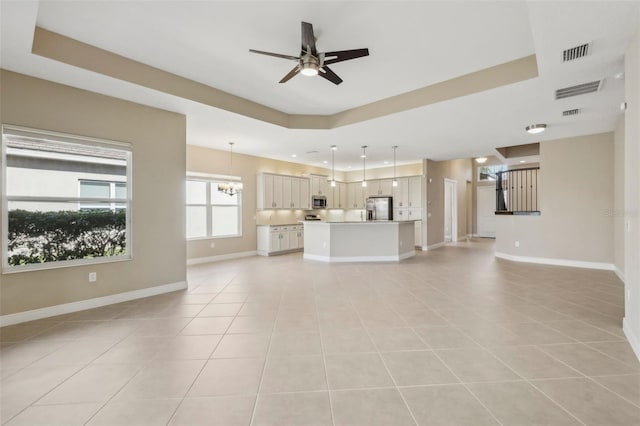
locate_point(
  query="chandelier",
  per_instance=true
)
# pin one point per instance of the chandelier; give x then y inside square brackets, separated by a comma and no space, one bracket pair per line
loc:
[232,187]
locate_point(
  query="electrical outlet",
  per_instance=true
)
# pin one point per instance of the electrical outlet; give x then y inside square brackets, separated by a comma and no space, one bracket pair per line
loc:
[517,243]
[213,245]
[93,277]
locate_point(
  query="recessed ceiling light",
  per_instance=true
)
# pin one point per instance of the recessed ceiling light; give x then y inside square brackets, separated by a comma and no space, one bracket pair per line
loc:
[522,161]
[386,162]
[535,128]
[481,160]
[348,167]
[325,162]
[293,156]
[619,75]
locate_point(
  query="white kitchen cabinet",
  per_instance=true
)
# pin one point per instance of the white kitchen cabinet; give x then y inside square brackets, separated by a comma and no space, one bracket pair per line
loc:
[295,193]
[401,194]
[279,239]
[339,196]
[296,237]
[287,202]
[355,195]
[319,185]
[379,187]
[305,193]
[271,197]
[282,192]
[414,214]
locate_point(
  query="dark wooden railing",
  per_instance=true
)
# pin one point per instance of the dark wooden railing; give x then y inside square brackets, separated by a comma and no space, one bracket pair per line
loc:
[517,191]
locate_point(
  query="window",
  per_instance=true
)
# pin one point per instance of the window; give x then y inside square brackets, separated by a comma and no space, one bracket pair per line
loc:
[211,213]
[102,189]
[488,173]
[66,199]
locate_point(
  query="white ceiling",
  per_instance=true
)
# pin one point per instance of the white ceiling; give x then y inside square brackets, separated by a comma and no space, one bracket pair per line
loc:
[412,45]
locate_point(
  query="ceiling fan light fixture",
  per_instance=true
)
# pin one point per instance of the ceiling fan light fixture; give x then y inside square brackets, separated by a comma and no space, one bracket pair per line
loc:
[534,129]
[309,68]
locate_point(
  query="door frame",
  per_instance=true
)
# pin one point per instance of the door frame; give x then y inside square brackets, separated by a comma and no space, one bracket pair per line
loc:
[478,189]
[453,187]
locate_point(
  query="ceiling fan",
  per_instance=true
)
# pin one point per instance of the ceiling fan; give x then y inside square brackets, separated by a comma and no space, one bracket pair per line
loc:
[311,62]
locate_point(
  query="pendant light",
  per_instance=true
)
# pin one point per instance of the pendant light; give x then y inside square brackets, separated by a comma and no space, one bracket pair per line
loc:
[231,188]
[364,166]
[395,181]
[333,170]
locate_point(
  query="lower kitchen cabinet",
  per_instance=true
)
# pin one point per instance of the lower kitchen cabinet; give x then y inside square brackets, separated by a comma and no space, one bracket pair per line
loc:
[280,239]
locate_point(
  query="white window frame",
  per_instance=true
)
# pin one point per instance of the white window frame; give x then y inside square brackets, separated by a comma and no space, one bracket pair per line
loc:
[112,194]
[71,139]
[209,206]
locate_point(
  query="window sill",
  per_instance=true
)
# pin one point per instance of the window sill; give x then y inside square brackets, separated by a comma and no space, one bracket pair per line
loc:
[34,267]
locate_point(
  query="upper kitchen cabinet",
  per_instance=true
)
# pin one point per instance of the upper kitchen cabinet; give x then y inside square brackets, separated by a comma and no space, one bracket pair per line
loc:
[379,187]
[408,193]
[355,196]
[282,192]
[337,196]
[401,194]
[319,185]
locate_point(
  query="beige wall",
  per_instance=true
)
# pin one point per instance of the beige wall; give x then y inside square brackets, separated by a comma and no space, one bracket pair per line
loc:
[632,194]
[437,171]
[158,226]
[414,169]
[576,200]
[618,197]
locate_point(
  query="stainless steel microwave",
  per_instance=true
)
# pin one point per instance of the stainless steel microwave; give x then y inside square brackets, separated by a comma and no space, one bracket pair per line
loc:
[319,202]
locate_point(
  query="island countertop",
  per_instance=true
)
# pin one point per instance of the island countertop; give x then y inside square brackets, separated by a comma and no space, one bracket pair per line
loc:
[371,241]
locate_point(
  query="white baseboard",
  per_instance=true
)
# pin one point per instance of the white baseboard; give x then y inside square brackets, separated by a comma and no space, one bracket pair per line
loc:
[634,341]
[557,262]
[618,273]
[199,260]
[436,245]
[342,259]
[66,308]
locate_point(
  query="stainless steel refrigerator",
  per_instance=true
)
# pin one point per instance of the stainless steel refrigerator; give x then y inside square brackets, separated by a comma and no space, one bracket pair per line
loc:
[379,208]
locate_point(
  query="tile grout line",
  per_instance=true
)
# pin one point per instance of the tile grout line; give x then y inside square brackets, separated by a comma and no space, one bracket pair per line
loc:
[395,384]
[525,379]
[324,360]
[264,364]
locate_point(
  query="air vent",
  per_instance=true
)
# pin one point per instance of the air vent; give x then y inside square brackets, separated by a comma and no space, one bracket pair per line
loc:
[570,112]
[580,89]
[575,52]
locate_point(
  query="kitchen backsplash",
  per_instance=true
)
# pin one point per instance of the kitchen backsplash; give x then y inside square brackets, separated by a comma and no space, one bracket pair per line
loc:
[285,217]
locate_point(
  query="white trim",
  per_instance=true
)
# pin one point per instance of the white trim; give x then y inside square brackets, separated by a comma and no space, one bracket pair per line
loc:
[209,259]
[631,337]
[618,272]
[436,245]
[558,262]
[51,311]
[342,259]
[454,207]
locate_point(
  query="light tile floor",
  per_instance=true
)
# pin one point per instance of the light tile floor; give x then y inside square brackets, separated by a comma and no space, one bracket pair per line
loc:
[450,337]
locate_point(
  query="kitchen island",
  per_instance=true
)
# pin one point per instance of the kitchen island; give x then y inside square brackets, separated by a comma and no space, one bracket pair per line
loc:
[371,241]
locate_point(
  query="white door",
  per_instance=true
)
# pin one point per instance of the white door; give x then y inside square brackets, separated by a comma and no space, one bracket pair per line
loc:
[450,211]
[485,208]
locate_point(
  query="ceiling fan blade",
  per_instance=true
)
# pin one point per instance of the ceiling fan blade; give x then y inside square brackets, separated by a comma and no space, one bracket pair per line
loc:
[277,55]
[291,74]
[325,72]
[344,55]
[308,39]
